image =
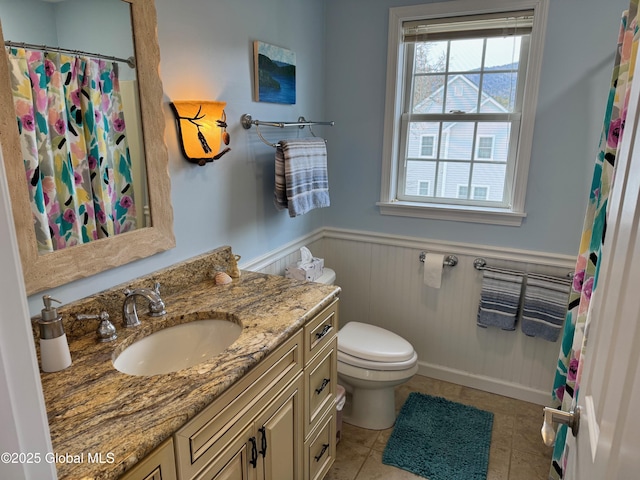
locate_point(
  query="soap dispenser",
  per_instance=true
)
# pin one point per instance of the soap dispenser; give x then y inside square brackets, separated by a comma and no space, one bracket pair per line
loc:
[54,349]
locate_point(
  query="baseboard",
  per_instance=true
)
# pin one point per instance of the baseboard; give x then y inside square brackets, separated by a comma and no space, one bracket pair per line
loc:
[486,384]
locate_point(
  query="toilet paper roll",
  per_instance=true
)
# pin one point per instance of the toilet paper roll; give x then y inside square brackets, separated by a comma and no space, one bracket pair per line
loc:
[433,270]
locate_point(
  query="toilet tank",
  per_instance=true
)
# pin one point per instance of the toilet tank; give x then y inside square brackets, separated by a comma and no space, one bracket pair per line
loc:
[328,277]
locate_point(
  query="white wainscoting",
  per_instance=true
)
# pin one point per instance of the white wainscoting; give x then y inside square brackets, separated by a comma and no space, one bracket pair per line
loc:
[381,278]
[276,261]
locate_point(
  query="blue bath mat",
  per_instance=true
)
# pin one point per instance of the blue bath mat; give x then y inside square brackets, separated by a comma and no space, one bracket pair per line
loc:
[440,440]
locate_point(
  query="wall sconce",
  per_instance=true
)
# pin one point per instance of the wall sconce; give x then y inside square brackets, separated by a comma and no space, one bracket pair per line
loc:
[202,127]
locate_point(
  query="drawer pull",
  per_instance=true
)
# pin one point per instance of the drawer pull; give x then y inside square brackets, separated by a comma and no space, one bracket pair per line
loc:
[263,441]
[324,449]
[254,452]
[325,330]
[325,382]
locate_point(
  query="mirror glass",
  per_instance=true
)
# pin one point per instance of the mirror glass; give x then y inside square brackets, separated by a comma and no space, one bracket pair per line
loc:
[87,40]
[135,32]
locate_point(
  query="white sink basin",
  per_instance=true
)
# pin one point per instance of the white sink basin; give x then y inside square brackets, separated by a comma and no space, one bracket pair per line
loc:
[177,347]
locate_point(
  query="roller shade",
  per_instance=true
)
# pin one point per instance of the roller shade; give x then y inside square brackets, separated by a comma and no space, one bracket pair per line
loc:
[469,26]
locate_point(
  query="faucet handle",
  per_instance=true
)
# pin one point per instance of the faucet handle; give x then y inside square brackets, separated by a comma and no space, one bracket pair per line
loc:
[157,308]
[106,331]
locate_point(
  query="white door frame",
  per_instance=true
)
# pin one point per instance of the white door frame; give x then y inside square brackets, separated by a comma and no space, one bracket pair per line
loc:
[25,429]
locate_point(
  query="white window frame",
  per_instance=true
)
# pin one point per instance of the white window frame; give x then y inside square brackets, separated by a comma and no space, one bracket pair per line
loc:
[389,204]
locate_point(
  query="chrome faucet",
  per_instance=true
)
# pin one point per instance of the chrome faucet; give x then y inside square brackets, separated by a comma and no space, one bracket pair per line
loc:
[156,305]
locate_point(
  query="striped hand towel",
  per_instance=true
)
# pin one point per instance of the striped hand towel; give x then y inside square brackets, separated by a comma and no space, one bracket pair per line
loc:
[301,176]
[500,299]
[545,306]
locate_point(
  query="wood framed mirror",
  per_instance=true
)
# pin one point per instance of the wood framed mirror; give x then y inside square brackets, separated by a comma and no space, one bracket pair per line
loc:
[44,271]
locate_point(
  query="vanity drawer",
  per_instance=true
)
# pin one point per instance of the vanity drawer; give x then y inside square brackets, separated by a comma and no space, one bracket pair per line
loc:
[321,378]
[320,449]
[226,417]
[320,331]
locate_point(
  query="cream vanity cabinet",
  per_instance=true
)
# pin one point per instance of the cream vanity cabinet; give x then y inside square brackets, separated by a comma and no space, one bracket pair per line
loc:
[278,422]
[158,465]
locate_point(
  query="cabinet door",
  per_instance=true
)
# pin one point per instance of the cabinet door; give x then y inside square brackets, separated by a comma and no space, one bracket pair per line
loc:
[279,434]
[234,462]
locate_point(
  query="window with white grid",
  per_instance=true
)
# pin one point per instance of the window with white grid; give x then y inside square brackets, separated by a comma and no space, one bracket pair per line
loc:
[462,90]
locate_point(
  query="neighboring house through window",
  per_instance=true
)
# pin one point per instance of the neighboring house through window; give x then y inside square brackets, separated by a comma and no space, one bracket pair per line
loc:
[459,114]
[484,150]
[477,192]
[427,146]
[423,188]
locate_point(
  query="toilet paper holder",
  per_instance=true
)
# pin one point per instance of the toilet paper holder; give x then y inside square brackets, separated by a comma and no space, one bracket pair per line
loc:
[449,260]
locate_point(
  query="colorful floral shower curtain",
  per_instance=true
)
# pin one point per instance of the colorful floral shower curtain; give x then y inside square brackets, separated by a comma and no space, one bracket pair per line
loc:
[73,139]
[574,341]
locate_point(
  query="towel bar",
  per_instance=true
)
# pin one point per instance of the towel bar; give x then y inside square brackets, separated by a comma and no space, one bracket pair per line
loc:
[449,260]
[247,121]
[481,264]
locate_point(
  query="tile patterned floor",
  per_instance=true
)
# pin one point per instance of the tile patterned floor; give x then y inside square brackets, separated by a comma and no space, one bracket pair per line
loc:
[517,451]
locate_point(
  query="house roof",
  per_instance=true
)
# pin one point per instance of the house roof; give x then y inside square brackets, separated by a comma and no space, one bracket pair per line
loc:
[495,85]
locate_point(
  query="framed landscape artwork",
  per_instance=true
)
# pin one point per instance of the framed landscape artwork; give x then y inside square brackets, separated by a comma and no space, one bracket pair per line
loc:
[275,74]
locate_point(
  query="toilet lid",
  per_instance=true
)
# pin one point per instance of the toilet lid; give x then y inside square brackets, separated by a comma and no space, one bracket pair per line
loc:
[372,343]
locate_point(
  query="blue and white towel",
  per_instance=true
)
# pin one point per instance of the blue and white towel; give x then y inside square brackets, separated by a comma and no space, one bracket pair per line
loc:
[545,306]
[500,299]
[302,182]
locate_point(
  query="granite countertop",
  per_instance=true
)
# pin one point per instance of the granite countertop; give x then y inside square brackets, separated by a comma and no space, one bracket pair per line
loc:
[97,413]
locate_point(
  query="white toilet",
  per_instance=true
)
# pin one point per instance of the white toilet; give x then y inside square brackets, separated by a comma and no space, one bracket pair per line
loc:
[371,362]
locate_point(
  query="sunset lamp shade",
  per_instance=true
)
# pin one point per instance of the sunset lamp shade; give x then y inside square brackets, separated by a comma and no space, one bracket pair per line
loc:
[202,128]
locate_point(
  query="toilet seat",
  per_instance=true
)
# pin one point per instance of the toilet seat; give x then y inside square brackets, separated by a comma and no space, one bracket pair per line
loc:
[367,346]
[372,365]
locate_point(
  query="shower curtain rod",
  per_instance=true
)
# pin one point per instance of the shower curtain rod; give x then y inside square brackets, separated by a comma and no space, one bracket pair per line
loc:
[131,61]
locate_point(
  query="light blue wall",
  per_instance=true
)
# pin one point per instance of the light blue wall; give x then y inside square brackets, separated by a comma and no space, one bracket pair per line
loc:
[61,25]
[341,45]
[17,17]
[207,53]
[578,58]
